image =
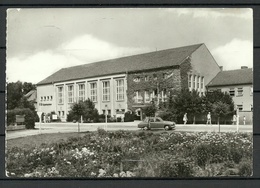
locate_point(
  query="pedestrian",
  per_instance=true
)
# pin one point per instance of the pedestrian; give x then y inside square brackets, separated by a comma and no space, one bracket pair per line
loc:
[209,118]
[185,119]
[244,120]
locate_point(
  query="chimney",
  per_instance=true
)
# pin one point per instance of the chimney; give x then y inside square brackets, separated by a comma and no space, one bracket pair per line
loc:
[244,67]
[221,68]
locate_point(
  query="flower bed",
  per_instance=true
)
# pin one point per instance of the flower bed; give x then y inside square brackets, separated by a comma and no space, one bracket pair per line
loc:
[136,154]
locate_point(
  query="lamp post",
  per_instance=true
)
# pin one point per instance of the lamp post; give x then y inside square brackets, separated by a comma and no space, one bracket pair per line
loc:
[106,117]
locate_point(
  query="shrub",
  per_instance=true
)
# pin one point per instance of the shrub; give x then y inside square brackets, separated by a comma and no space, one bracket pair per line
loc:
[29,119]
[172,167]
[129,116]
[245,168]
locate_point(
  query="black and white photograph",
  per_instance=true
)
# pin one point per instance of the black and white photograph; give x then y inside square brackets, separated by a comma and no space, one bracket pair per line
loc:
[129,93]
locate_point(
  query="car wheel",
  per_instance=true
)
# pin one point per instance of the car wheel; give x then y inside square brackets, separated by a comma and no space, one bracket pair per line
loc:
[167,127]
[145,128]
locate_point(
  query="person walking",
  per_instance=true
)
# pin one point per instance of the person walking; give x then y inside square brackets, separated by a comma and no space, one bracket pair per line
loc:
[185,119]
[209,118]
[244,120]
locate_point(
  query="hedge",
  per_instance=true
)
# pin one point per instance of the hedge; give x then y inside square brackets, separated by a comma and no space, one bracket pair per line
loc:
[29,119]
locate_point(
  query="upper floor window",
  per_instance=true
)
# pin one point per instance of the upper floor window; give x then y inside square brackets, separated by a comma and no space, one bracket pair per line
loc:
[202,82]
[41,98]
[232,92]
[106,91]
[70,93]
[60,95]
[189,80]
[155,77]
[137,79]
[93,91]
[120,90]
[194,81]
[164,95]
[240,107]
[51,98]
[48,98]
[240,91]
[81,92]
[147,96]
[146,78]
[138,97]
[198,82]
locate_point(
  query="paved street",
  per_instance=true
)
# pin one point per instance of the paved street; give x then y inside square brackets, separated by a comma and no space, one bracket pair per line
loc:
[73,127]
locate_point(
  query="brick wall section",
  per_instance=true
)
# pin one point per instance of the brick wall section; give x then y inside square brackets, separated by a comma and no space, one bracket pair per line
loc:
[185,68]
[173,83]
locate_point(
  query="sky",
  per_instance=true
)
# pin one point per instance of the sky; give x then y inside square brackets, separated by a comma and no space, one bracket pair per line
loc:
[42,41]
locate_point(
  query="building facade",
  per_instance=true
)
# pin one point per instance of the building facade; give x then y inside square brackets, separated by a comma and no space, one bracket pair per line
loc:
[239,85]
[128,83]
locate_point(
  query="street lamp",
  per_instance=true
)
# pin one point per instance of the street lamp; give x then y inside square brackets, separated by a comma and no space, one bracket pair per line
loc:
[106,117]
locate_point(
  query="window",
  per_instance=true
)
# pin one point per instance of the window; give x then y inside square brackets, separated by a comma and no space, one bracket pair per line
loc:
[106,91]
[251,108]
[137,79]
[202,83]
[189,80]
[146,78]
[164,95]
[240,91]
[120,90]
[147,98]
[51,98]
[93,91]
[44,98]
[63,113]
[48,98]
[194,82]
[240,107]
[155,77]
[70,94]
[138,97]
[60,95]
[198,82]
[232,92]
[41,98]
[81,92]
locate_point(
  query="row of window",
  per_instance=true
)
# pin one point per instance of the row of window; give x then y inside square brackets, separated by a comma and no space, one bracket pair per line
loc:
[154,77]
[196,82]
[238,91]
[46,98]
[93,91]
[148,96]
[240,107]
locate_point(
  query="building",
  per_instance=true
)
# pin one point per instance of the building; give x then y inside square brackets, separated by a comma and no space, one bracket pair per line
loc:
[239,85]
[32,96]
[128,83]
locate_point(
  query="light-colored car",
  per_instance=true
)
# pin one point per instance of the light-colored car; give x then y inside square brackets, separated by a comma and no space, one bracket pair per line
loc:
[156,123]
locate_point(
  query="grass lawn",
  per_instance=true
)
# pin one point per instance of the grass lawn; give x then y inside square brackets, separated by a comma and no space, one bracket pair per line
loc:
[37,140]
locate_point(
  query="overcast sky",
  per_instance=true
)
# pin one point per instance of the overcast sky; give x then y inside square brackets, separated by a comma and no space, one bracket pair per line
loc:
[42,41]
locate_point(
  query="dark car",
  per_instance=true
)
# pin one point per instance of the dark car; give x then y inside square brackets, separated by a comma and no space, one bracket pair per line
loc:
[156,123]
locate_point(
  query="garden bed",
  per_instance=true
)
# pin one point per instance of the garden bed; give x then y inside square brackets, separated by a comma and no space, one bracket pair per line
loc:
[15,127]
[104,154]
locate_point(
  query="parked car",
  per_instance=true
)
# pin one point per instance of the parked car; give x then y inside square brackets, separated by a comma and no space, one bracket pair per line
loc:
[156,123]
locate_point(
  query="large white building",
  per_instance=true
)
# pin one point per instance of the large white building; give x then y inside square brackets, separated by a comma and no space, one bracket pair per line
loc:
[127,83]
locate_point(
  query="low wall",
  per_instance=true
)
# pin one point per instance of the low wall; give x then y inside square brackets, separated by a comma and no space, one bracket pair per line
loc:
[14,128]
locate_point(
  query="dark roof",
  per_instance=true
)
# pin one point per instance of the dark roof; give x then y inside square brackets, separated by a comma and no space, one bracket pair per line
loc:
[152,60]
[232,77]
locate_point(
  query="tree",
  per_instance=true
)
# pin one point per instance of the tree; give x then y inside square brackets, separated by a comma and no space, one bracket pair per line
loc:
[187,102]
[212,97]
[150,110]
[86,109]
[220,109]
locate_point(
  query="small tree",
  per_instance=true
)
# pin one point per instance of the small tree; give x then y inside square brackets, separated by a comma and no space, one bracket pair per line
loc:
[220,109]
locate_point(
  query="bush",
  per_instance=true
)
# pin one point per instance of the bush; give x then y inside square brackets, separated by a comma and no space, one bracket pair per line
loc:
[167,116]
[245,168]
[29,119]
[129,116]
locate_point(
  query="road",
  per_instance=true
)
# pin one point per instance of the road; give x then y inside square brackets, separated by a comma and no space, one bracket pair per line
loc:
[46,128]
